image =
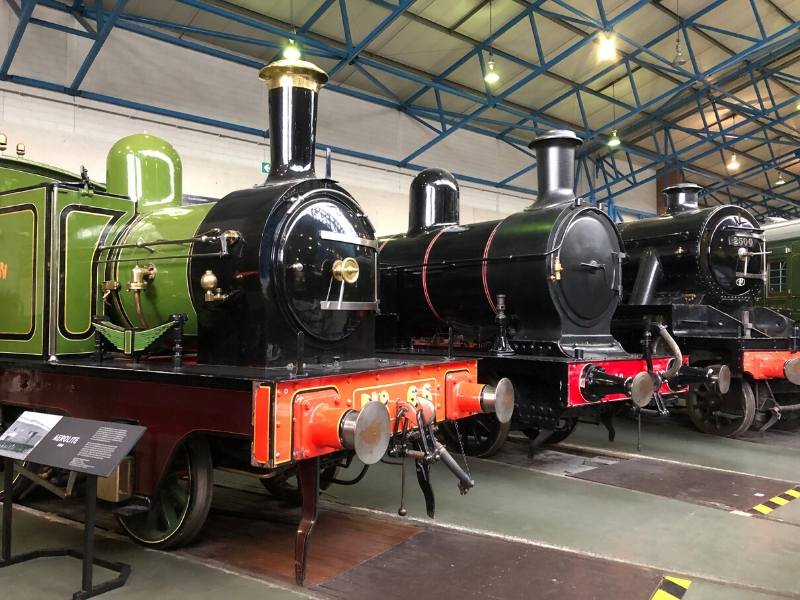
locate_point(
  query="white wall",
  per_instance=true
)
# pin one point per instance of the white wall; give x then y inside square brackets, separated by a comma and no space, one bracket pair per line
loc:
[69,132]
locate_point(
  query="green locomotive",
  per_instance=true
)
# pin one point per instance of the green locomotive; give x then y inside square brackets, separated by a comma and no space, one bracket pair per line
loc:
[782,290]
[53,217]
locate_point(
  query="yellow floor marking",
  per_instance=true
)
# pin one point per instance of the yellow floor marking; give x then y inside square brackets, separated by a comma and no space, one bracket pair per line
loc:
[671,588]
[776,502]
[684,583]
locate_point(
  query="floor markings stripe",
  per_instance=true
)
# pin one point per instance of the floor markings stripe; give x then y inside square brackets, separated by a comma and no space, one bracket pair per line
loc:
[608,452]
[671,588]
[783,499]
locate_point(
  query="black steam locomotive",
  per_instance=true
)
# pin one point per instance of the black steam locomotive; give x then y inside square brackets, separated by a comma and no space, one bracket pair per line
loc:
[268,297]
[696,272]
[532,294]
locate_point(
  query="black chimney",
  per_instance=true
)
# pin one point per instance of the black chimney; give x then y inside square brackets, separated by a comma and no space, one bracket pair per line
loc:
[555,166]
[293,91]
[681,197]
[433,201]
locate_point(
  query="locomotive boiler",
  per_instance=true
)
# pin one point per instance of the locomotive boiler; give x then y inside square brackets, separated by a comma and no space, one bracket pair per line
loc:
[240,332]
[696,272]
[533,294]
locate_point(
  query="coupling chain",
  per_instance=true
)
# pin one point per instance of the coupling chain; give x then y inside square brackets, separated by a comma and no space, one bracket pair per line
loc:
[461,445]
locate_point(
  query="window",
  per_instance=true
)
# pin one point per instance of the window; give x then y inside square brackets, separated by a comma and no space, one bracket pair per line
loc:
[777,276]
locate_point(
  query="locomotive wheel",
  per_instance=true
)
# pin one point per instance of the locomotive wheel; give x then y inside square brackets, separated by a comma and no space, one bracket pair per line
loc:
[482,435]
[284,486]
[180,507]
[728,415]
[570,423]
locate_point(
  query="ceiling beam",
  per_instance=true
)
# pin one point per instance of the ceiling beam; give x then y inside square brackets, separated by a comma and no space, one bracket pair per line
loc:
[100,39]
[25,14]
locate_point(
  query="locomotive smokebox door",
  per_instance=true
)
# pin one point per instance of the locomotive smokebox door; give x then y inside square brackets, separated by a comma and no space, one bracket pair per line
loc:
[306,265]
[587,286]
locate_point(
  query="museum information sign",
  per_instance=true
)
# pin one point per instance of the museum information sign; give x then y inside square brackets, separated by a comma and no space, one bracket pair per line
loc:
[82,445]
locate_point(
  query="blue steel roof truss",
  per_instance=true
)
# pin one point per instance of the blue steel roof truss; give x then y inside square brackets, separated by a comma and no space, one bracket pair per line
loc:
[759,130]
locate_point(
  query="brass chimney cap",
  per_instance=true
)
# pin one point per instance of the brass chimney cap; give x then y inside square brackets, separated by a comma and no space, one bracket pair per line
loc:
[293,73]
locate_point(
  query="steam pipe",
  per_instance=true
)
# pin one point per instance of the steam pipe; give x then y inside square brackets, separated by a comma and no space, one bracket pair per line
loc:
[647,278]
[137,303]
[674,349]
[555,166]
[293,92]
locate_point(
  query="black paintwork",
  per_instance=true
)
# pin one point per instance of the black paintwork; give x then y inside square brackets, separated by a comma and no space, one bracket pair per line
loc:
[558,265]
[547,316]
[268,301]
[695,292]
[199,375]
[696,256]
[432,201]
[293,128]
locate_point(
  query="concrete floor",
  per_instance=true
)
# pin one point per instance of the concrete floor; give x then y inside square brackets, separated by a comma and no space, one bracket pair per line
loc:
[541,529]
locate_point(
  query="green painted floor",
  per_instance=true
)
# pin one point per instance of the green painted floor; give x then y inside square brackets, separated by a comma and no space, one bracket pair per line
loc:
[665,438]
[154,576]
[726,555]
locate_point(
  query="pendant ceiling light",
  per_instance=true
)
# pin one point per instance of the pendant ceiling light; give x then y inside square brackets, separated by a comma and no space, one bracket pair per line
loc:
[291,51]
[490,76]
[614,140]
[606,46]
[780,180]
[679,59]
[733,163]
